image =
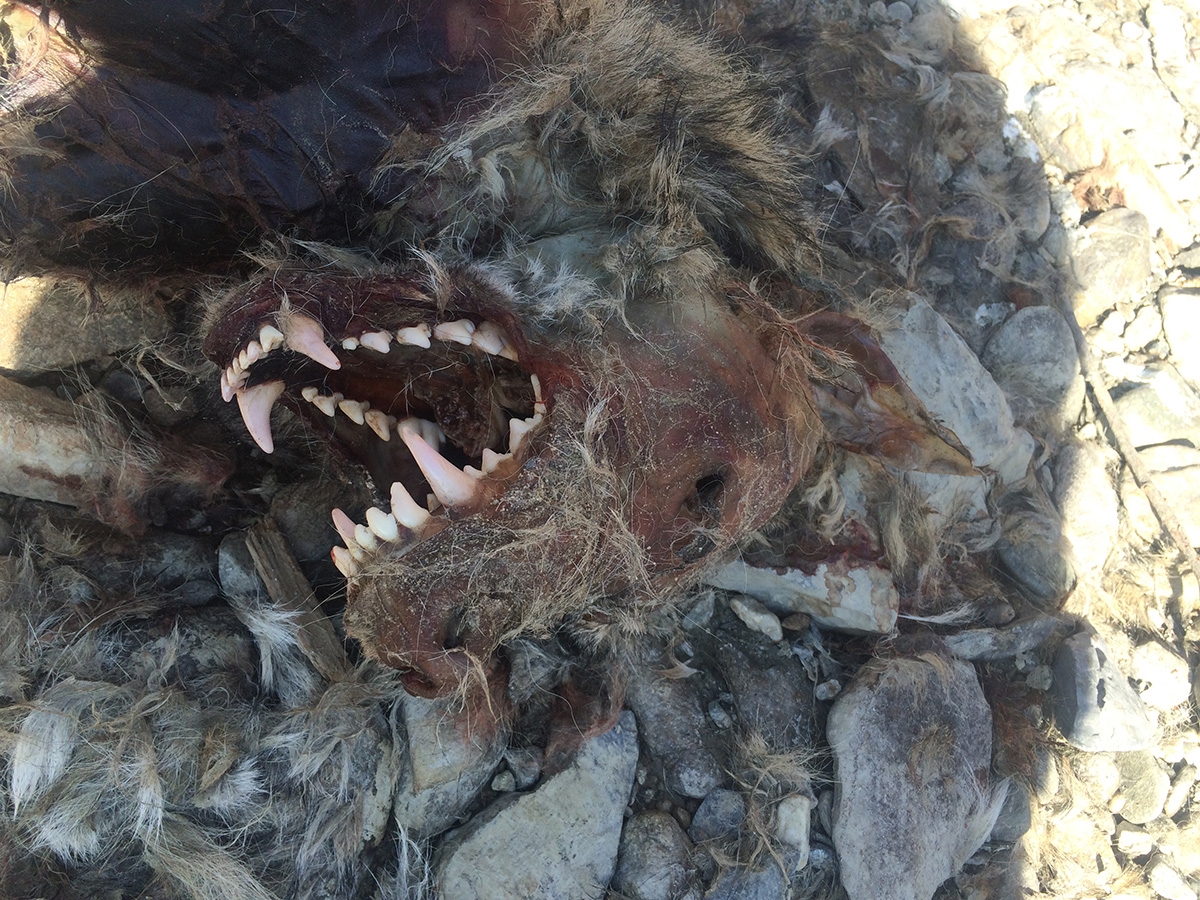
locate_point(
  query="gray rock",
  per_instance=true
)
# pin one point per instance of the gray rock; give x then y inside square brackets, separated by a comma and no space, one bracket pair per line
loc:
[1176,472]
[34,311]
[1006,642]
[772,692]
[1094,706]
[1143,789]
[957,390]
[653,861]
[1166,882]
[302,513]
[1032,549]
[1111,262]
[1032,356]
[909,740]
[1088,504]
[1181,325]
[1165,680]
[764,882]
[720,815]
[451,755]
[1162,408]
[6,536]
[1016,815]
[672,722]
[573,820]
[235,570]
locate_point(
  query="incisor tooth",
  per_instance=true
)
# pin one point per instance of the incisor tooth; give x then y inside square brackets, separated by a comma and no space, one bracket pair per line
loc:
[244,359]
[254,352]
[382,524]
[405,508]
[355,409]
[255,404]
[379,341]
[459,332]
[414,335]
[327,405]
[344,561]
[365,538]
[305,335]
[270,337]
[518,428]
[451,485]
[380,423]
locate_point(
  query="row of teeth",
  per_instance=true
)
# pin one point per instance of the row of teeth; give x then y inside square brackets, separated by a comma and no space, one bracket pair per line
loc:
[305,335]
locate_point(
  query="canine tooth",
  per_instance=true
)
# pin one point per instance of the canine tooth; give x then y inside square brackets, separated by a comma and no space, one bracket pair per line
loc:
[451,485]
[380,422]
[270,338]
[459,332]
[491,459]
[380,341]
[255,404]
[365,538]
[310,394]
[405,508]
[354,409]
[414,335]
[349,343]
[489,337]
[344,561]
[305,335]
[382,524]
[226,387]
[327,405]
[518,428]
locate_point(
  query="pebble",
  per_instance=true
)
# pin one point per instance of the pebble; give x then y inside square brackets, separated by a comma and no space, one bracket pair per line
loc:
[1110,258]
[1005,642]
[1033,359]
[793,820]
[1161,408]
[1094,706]
[719,816]
[756,617]
[652,863]
[573,820]
[1146,326]
[772,693]
[1133,841]
[1143,788]
[1164,676]
[765,881]
[1181,789]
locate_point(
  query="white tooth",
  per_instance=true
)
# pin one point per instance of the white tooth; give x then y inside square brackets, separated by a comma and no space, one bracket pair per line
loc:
[236,367]
[270,337]
[518,428]
[382,524]
[244,359]
[349,343]
[344,561]
[355,409]
[380,422]
[379,341]
[537,388]
[451,485]
[432,434]
[310,394]
[459,332]
[305,335]
[489,337]
[414,335]
[432,503]
[255,404]
[255,352]
[475,473]
[226,388]
[327,405]
[365,538]
[405,508]
[491,459]
[344,525]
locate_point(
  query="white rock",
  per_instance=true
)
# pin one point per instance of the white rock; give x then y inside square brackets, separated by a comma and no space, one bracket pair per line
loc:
[1166,882]
[861,599]
[1088,504]
[1164,676]
[756,617]
[1181,325]
[1145,327]
[1133,841]
[793,819]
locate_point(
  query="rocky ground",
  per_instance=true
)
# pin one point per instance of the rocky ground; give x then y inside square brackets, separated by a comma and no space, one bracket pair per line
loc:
[977,686]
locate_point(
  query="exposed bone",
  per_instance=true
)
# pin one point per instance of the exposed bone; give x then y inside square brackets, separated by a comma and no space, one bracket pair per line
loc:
[405,508]
[379,341]
[458,332]
[270,338]
[365,538]
[518,428]
[451,485]
[355,409]
[414,335]
[489,337]
[380,423]
[327,404]
[383,524]
[255,404]
[350,343]
[305,335]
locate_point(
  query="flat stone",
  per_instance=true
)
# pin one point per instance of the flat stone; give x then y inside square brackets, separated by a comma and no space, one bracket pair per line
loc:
[1163,674]
[1161,409]
[1110,258]
[1032,356]
[1094,706]
[572,823]
[910,739]
[720,815]
[652,863]
[838,595]
[948,378]
[54,324]
[1181,325]
[1087,502]
[672,723]
[1006,642]
[1143,789]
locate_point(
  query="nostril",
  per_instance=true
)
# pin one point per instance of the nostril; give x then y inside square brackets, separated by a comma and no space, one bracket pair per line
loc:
[454,636]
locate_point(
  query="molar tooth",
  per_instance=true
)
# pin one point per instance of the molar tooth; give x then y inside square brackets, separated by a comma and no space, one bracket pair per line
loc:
[491,459]
[405,508]
[327,405]
[309,393]
[270,338]
[380,422]
[433,435]
[459,331]
[355,409]
[305,335]
[365,538]
[344,561]
[350,343]
[255,404]
[518,428]
[414,335]
[382,524]
[379,341]
[451,485]
[489,337]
